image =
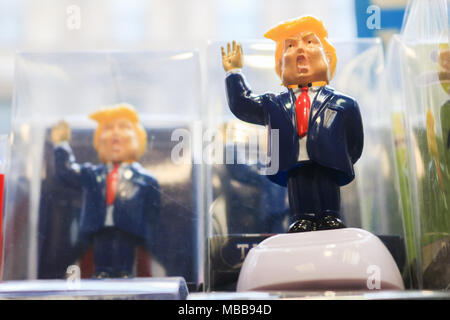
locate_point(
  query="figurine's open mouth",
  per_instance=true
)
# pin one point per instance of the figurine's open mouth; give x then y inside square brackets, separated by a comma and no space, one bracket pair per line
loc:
[302,64]
[116,145]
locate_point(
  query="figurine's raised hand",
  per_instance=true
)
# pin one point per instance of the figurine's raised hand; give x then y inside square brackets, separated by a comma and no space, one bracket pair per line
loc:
[232,59]
[61,132]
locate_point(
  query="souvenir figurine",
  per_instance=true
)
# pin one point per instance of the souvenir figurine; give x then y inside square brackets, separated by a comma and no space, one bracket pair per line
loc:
[320,129]
[320,138]
[121,200]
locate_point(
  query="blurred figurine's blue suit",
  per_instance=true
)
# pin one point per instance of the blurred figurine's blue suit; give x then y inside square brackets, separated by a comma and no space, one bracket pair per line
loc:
[121,200]
[135,210]
[334,143]
[137,199]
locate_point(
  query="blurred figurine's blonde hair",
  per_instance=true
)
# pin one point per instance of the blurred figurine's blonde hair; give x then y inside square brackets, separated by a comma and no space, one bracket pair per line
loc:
[119,111]
[294,27]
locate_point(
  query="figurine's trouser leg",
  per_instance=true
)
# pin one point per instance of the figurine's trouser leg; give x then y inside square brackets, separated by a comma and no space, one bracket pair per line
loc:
[313,192]
[114,252]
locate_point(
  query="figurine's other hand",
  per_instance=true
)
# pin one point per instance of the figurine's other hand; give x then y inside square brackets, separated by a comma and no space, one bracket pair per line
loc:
[232,59]
[61,132]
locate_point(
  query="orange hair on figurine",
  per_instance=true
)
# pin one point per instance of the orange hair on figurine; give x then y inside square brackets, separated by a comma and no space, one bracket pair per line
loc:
[120,111]
[297,26]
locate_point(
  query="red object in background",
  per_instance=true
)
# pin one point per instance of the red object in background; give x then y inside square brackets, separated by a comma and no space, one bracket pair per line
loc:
[87,264]
[2,181]
[143,260]
[144,263]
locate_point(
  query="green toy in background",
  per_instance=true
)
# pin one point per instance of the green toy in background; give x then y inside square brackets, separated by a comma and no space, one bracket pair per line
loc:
[408,219]
[427,186]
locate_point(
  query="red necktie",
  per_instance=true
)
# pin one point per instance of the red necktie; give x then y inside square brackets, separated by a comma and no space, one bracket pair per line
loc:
[302,106]
[111,184]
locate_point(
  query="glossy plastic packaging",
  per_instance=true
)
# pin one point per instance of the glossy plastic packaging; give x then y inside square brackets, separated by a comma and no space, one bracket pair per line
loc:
[245,207]
[44,236]
[418,97]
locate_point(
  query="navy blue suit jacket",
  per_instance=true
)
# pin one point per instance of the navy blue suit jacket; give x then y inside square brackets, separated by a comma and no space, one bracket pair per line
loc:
[137,201]
[335,132]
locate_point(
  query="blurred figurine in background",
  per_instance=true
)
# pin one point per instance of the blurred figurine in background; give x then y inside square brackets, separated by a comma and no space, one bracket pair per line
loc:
[320,129]
[120,198]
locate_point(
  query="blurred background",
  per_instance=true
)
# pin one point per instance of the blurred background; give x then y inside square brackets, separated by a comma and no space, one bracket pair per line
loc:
[138,25]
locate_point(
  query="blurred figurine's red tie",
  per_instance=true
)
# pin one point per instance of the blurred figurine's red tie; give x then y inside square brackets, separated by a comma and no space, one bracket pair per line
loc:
[302,106]
[111,184]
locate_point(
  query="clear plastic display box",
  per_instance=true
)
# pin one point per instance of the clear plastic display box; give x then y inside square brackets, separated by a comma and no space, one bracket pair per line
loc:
[43,237]
[244,207]
[4,143]
[215,200]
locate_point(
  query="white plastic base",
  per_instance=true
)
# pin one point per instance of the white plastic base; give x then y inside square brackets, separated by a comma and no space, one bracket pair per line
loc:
[342,259]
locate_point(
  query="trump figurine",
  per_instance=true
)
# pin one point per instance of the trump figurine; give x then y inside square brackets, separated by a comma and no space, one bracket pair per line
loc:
[320,129]
[121,200]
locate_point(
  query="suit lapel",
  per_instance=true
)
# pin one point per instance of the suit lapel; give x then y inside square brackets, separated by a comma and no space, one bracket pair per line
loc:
[288,103]
[134,174]
[287,100]
[129,177]
[129,183]
[101,173]
[319,103]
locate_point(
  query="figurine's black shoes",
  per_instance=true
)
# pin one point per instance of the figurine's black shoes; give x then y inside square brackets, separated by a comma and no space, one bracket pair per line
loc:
[102,275]
[105,275]
[329,223]
[302,225]
[124,275]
